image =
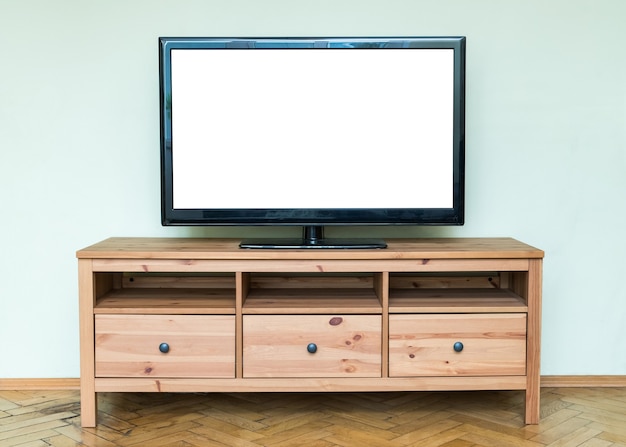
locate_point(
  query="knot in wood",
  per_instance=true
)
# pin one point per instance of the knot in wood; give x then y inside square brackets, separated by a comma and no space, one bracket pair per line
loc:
[335,321]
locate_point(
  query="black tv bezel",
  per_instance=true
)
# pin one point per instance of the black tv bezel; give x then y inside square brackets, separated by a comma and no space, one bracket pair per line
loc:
[308,217]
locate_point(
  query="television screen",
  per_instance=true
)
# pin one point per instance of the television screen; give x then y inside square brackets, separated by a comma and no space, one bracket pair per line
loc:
[312,131]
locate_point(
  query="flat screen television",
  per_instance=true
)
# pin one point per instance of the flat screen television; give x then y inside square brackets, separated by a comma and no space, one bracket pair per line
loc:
[312,132]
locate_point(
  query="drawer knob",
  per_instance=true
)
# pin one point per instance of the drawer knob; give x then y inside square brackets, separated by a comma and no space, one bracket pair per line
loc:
[458,346]
[312,348]
[164,348]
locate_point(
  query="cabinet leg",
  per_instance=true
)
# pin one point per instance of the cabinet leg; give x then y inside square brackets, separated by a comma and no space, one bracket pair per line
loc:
[88,407]
[533,356]
[87,298]
[532,405]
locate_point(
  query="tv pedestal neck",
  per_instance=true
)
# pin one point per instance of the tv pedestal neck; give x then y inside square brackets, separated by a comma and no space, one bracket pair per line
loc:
[203,315]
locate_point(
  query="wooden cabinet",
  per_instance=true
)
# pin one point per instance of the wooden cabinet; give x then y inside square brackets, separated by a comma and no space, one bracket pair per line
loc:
[202,315]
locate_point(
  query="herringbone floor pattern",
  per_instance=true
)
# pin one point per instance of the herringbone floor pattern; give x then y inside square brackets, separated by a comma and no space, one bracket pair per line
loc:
[590,417]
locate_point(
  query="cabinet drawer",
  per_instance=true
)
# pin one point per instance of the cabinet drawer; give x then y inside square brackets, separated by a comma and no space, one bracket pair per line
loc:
[165,345]
[312,345]
[457,345]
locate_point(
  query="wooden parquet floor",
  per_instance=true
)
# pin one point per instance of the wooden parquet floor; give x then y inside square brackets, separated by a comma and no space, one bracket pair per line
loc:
[589,417]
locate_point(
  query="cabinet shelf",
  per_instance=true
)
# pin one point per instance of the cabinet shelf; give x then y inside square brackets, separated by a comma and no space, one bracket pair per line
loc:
[455,301]
[167,301]
[324,300]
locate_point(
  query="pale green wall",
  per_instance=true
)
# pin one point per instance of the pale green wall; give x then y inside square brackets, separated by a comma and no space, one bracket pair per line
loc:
[546,145]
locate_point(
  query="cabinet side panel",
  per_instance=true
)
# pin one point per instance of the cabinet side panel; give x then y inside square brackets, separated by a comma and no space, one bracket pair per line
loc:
[242,287]
[381,284]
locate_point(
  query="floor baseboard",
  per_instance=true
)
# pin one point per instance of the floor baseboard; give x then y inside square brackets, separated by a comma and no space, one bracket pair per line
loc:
[583,381]
[546,381]
[39,384]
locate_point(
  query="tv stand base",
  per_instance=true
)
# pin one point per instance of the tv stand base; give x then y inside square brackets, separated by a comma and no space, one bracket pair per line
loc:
[324,244]
[313,237]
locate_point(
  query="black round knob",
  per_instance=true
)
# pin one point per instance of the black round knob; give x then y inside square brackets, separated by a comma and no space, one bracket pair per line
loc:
[312,348]
[164,348]
[458,346]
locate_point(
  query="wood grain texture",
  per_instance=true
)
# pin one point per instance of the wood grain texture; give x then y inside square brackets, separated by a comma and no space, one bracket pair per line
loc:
[199,346]
[167,301]
[422,345]
[346,345]
[455,300]
[205,248]
[295,301]
[308,384]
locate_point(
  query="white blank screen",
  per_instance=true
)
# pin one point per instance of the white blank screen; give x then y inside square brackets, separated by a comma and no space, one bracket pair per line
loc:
[303,128]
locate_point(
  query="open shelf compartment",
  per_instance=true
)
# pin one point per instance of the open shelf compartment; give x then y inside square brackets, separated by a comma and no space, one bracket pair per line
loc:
[123,293]
[356,293]
[454,293]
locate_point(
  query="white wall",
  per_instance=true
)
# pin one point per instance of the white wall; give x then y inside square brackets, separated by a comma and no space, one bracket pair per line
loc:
[546,145]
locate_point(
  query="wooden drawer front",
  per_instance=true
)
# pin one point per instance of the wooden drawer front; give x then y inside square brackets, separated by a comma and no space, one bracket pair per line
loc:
[278,345]
[199,345]
[424,345]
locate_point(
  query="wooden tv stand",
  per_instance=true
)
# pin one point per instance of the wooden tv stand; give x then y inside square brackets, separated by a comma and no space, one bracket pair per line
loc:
[202,315]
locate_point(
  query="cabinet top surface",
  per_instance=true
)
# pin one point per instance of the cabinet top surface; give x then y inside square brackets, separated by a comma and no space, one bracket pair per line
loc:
[208,248]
